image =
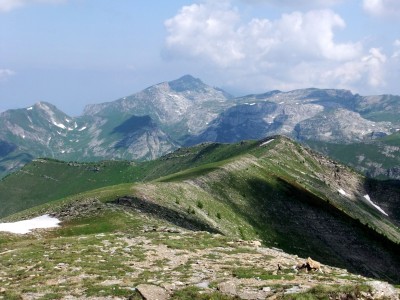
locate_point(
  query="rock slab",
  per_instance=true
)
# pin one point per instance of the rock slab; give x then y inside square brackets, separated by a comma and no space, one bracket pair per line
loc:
[152,292]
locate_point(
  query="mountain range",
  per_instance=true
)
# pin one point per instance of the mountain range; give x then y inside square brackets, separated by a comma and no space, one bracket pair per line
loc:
[227,219]
[186,112]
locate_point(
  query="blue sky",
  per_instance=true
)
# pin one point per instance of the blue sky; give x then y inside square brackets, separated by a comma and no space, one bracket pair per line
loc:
[75,52]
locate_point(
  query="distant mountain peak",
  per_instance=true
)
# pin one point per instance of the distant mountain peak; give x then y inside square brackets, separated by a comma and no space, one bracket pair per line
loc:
[187,82]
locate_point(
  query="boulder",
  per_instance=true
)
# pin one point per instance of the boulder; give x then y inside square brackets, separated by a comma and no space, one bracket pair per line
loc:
[227,287]
[152,292]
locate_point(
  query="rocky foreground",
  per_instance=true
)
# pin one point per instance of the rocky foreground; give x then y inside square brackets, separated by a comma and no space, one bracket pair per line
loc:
[161,262]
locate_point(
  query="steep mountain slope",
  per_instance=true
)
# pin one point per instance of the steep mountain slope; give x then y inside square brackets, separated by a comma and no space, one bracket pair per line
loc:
[380,108]
[137,127]
[185,112]
[44,180]
[380,158]
[275,190]
[310,114]
[182,107]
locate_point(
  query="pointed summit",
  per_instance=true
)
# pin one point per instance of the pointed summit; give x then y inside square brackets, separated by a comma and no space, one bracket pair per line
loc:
[187,82]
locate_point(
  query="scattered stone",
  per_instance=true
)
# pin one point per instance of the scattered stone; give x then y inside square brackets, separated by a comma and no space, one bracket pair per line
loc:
[227,287]
[152,292]
[251,295]
[203,285]
[294,290]
[383,290]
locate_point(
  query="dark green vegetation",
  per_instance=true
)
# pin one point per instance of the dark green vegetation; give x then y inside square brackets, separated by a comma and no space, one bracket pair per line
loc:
[377,159]
[44,180]
[274,190]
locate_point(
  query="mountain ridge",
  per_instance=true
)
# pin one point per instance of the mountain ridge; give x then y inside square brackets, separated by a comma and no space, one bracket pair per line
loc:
[187,111]
[274,190]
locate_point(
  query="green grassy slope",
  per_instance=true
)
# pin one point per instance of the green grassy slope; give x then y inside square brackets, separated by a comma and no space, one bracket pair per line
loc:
[280,192]
[46,180]
[287,196]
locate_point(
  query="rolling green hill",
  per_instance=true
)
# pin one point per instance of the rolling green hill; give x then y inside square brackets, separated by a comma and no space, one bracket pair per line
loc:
[45,180]
[274,190]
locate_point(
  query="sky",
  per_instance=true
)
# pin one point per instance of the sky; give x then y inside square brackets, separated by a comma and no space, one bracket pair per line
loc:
[76,52]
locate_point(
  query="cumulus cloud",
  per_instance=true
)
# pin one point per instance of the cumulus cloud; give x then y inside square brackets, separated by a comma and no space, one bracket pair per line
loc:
[207,30]
[8,5]
[215,32]
[296,50]
[5,73]
[369,70]
[382,7]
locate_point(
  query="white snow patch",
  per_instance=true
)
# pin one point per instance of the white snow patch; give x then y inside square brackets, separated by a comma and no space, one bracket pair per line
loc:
[23,136]
[267,142]
[59,132]
[68,120]
[374,205]
[75,125]
[282,102]
[252,104]
[59,125]
[341,191]
[25,226]
[29,108]
[70,129]
[30,120]
[62,151]
[82,129]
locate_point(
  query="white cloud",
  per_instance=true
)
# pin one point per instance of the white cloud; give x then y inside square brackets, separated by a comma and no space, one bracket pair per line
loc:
[297,3]
[382,7]
[296,50]
[207,30]
[5,73]
[369,70]
[396,53]
[8,5]
[215,32]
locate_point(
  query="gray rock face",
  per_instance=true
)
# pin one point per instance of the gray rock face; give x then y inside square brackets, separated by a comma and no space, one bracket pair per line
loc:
[186,111]
[340,125]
